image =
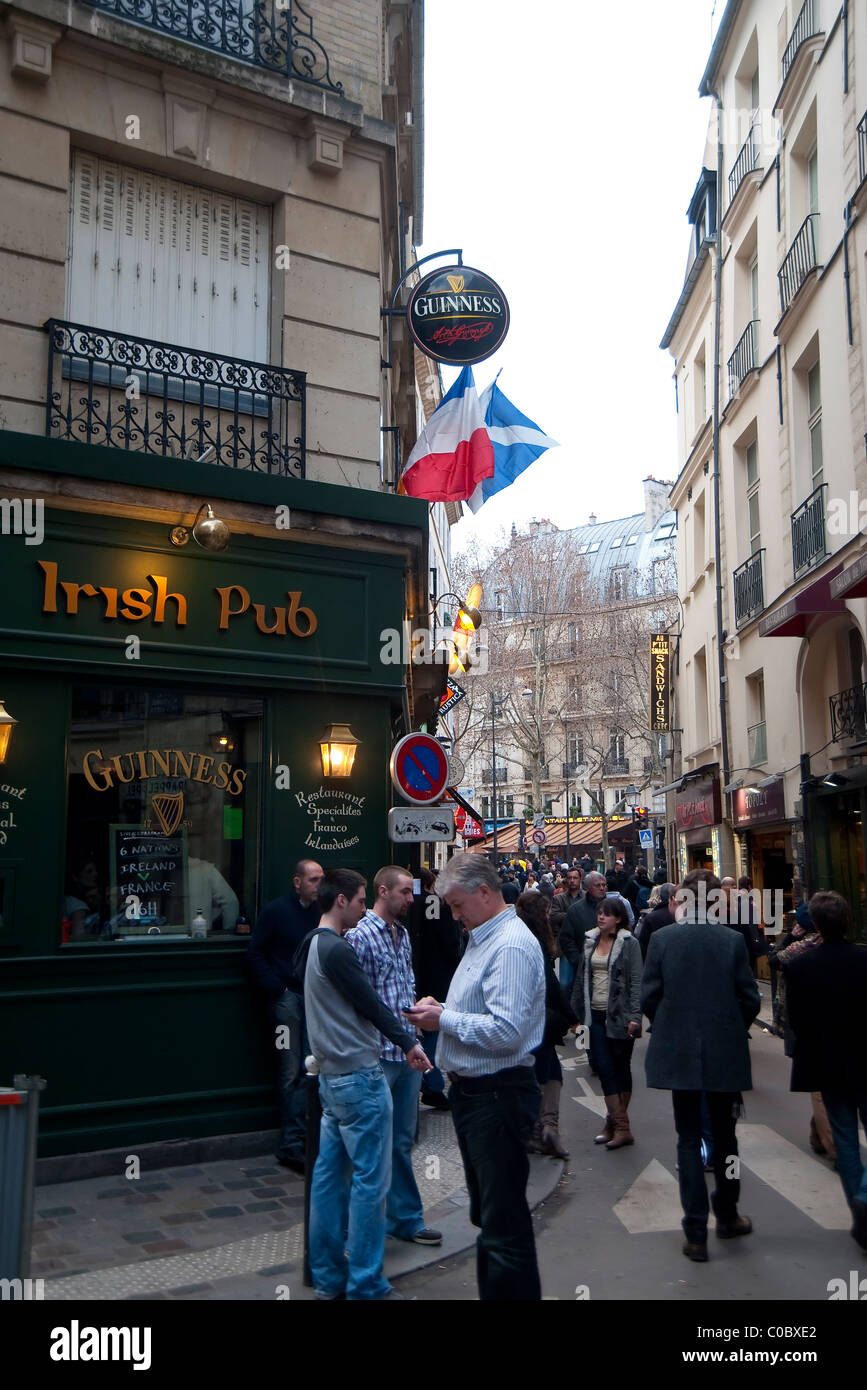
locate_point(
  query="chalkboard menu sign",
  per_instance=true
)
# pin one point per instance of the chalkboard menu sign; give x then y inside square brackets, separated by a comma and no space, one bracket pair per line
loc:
[148,881]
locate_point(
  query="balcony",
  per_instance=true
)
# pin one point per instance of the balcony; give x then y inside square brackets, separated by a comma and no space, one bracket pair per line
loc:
[805,28]
[749,589]
[746,162]
[799,262]
[862,148]
[502,775]
[615,767]
[757,745]
[272,34]
[743,359]
[849,714]
[530,773]
[156,398]
[569,769]
[808,533]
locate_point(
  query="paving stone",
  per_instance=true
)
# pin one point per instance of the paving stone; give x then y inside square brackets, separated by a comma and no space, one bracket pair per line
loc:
[139,1199]
[57,1211]
[215,1213]
[260,1172]
[44,1226]
[279,1179]
[186,1172]
[263,1206]
[236,1184]
[57,1250]
[210,1190]
[182,1218]
[159,1247]
[112,1192]
[292,1200]
[140,1237]
[154,1187]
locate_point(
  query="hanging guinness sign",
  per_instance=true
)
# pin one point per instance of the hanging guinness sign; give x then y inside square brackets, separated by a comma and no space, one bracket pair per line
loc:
[458,315]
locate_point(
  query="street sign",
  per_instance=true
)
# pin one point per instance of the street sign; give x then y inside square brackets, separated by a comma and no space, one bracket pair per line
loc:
[645,838]
[453,696]
[419,769]
[538,837]
[539,820]
[456,770]
[416,825]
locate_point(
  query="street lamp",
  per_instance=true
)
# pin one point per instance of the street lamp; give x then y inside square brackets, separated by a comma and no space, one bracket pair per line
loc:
[496,704]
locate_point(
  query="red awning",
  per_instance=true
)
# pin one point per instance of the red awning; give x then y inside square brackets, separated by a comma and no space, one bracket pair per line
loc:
[791,619]
[852,581]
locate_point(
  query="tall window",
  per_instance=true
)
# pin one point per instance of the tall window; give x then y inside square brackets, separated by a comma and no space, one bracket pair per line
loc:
[814,424]
[698,537]
[813,180]
[617,750]
[576,751]
[754,525]
[620,581]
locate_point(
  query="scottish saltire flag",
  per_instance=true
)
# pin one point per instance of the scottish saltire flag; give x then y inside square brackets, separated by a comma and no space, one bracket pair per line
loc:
[516,440]
[453,452]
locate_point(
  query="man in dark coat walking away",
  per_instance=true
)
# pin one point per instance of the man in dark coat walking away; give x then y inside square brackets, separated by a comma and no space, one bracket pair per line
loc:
[826,1000]
[699,993]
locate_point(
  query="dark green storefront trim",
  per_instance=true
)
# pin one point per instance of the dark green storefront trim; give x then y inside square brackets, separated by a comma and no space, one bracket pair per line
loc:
[142,1043]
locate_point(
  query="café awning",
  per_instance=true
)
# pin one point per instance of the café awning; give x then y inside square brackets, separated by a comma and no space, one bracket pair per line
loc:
[791,619]
[852,581]
[583,834]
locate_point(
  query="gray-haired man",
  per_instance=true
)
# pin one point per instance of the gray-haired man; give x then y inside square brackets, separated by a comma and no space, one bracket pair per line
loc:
[493,1017]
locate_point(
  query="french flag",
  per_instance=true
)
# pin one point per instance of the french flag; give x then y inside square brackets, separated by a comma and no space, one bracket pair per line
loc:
[453,453]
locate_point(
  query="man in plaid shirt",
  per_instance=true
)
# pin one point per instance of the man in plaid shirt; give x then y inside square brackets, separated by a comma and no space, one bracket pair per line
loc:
[384,952]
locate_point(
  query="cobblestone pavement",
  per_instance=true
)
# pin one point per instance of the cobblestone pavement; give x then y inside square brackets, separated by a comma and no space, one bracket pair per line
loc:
[228,1229]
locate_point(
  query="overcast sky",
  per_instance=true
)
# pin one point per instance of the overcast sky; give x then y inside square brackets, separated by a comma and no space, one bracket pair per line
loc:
[563,141]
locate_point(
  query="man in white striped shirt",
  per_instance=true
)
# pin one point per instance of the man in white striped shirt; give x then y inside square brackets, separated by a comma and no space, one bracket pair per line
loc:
[492,1019]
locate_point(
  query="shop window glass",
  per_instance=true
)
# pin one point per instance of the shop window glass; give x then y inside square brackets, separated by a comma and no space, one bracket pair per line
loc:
[163,793]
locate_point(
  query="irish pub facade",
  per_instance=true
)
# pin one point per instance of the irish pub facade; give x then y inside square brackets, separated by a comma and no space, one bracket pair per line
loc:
[200,541]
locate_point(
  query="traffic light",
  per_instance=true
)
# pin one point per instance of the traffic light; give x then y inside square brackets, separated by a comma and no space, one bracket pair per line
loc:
[641,817]
[468,620]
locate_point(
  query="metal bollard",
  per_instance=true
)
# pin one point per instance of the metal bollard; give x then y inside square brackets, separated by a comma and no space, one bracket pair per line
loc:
[311,1151]
[19,1129]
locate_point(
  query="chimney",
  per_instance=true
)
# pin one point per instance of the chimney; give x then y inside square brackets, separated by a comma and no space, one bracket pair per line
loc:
[591,520]
[655,501]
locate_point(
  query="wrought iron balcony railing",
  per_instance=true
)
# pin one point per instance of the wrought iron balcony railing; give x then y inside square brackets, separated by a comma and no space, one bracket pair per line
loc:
[862,148]
[743,359]
[569,769]
[808,532]
[745,163]
[805,28]
[615,767]
[155,398]
[757,744]
[530,772]
[273,34]
[749,589]
[488,775]
[800,260]
[849,713]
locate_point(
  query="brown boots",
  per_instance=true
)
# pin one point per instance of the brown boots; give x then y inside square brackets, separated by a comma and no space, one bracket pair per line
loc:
[617,1111]
[608,1127]
[551,1141]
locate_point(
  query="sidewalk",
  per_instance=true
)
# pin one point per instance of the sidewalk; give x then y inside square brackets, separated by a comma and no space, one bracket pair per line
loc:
[229,1229]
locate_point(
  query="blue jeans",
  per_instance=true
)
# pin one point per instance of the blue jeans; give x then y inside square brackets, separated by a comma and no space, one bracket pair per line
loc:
[404,1212]
[843,1111]
[350,1182]
[432,1080]
[566,976]
[612,1057]
[288,1011]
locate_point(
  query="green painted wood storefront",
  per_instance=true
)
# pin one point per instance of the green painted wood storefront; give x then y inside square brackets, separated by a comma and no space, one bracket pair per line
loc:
[164,1038]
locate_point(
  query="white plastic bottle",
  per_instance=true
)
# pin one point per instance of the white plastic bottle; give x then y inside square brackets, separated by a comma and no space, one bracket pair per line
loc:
[200,927]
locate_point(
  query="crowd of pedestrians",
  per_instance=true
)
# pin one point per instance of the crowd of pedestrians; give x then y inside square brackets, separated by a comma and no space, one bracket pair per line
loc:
[450,995]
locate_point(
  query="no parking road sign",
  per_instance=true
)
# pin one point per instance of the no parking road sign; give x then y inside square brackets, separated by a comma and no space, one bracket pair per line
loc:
[419,768]
[538,837]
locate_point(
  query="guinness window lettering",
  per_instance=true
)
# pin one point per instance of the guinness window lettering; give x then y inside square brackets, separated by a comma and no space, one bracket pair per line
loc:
[458,315]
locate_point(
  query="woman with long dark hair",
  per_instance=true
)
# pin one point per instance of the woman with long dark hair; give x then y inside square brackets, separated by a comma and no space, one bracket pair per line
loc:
[606,996]
[533,909]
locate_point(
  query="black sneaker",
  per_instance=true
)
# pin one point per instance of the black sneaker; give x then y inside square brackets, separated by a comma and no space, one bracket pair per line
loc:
[295,1162]
[427,1237]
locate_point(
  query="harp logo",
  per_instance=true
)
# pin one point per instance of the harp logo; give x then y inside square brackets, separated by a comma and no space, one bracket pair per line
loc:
[168,807]
[457,282]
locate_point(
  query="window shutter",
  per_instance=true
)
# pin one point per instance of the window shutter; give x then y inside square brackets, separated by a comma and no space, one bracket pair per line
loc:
[167,260]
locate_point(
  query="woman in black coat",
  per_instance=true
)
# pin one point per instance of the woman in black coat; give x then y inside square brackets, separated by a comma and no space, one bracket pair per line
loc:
[533,909]
[659,914]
